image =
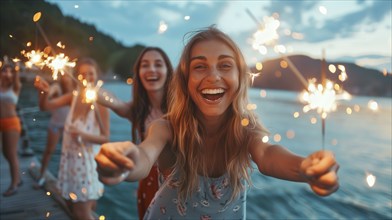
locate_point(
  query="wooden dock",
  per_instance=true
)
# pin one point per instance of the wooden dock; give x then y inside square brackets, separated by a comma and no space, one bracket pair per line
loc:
[29,203]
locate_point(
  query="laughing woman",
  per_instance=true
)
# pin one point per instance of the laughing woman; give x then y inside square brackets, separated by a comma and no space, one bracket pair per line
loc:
[10,127]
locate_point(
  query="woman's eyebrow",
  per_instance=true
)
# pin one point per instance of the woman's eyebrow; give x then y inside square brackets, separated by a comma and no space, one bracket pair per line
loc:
[198,58]
[204,58]
[225,56]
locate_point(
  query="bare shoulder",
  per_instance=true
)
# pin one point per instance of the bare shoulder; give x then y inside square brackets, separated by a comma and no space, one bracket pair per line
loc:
[257,148]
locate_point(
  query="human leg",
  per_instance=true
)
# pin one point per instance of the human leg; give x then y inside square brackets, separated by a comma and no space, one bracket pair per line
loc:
[51,142]
[10,150]
[83,210]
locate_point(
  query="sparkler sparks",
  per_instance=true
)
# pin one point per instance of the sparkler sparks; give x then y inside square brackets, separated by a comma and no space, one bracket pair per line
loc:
[324,99]
[267,35]
[253,75]
[91,91]
[370,179]
[318,97]
[35,58]
[58,64]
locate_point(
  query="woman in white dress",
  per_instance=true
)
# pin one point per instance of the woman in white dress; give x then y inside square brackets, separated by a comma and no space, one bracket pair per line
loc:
[86,127]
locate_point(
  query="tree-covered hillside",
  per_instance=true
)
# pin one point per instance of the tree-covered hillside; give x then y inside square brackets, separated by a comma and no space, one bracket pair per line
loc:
[80,39]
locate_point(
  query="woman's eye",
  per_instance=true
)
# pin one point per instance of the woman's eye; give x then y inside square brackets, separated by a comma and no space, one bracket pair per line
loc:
[199,67]
[226,66]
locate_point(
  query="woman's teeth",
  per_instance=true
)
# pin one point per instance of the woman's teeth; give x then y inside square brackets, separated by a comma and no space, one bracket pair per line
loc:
[212,94]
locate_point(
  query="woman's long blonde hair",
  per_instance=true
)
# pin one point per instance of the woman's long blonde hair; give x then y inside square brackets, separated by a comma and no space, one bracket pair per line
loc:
[189,133]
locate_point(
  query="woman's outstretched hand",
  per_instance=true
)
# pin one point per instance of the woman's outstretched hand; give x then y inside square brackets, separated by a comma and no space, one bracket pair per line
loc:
[113,163]
[320,170]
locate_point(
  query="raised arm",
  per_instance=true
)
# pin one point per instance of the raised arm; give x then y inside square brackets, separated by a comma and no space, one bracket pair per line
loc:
[45,103]
[17,86]
[115,159]
[319,169]
[109,100]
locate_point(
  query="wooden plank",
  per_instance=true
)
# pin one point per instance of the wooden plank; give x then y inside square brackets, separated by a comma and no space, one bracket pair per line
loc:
[28,203]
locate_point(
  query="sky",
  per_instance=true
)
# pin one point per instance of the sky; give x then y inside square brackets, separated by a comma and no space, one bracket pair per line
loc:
[349,31]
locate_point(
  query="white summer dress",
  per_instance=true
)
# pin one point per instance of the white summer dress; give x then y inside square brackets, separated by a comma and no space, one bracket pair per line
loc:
[77,177]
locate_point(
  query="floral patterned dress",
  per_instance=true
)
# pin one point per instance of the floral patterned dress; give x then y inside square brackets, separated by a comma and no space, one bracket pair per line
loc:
[210,201]
[77,177]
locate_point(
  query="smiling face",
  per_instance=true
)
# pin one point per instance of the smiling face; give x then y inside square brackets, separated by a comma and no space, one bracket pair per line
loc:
[153,71]
[213,77]
[6,75]
[88,72]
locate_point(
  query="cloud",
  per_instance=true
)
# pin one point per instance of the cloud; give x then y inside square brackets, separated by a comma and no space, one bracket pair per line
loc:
[344,26]
[347,24]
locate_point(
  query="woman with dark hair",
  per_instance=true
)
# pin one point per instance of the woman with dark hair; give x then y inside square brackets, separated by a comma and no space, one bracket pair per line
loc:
[152,75]
[10,127]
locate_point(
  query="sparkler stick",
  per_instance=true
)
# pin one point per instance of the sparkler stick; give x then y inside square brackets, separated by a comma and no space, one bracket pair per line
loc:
[290,64]
[60,61]
[36,18]
[295,71]
[321,97]
[253,17]
[323,82]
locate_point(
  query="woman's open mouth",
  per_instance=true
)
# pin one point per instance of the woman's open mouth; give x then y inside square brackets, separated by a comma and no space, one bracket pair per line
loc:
[212,94]
[152,78]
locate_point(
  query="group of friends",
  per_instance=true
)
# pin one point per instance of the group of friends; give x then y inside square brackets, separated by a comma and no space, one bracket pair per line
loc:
[189,151]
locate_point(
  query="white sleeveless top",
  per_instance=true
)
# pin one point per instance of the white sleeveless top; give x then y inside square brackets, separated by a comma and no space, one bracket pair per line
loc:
[77,177]
[8,96]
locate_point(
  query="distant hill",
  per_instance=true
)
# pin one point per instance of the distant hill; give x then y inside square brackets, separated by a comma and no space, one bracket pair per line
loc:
[80,39]
[360,81]
[83,39]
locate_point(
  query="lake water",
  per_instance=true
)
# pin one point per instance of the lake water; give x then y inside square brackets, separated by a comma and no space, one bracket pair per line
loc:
[361,142]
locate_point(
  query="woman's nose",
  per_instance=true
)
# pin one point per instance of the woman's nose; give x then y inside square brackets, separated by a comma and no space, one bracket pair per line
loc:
[152,68]
[214,74]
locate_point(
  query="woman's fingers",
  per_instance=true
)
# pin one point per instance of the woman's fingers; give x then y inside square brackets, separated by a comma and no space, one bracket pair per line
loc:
[328,180]
[324,191]
[113,159]
[319,163]
[320,170]
[114,180]
[107,167]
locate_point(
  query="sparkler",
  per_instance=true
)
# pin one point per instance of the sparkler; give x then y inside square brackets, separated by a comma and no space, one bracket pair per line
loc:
[35,58]
[267,35]
[253,75]
[58,64]
[36,18]
[321,97]
[91,91]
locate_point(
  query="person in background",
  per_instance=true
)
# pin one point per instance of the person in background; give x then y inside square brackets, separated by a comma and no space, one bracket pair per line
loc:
[56,123]
[207,142]
[86,127]
[152,74]
[10,127]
